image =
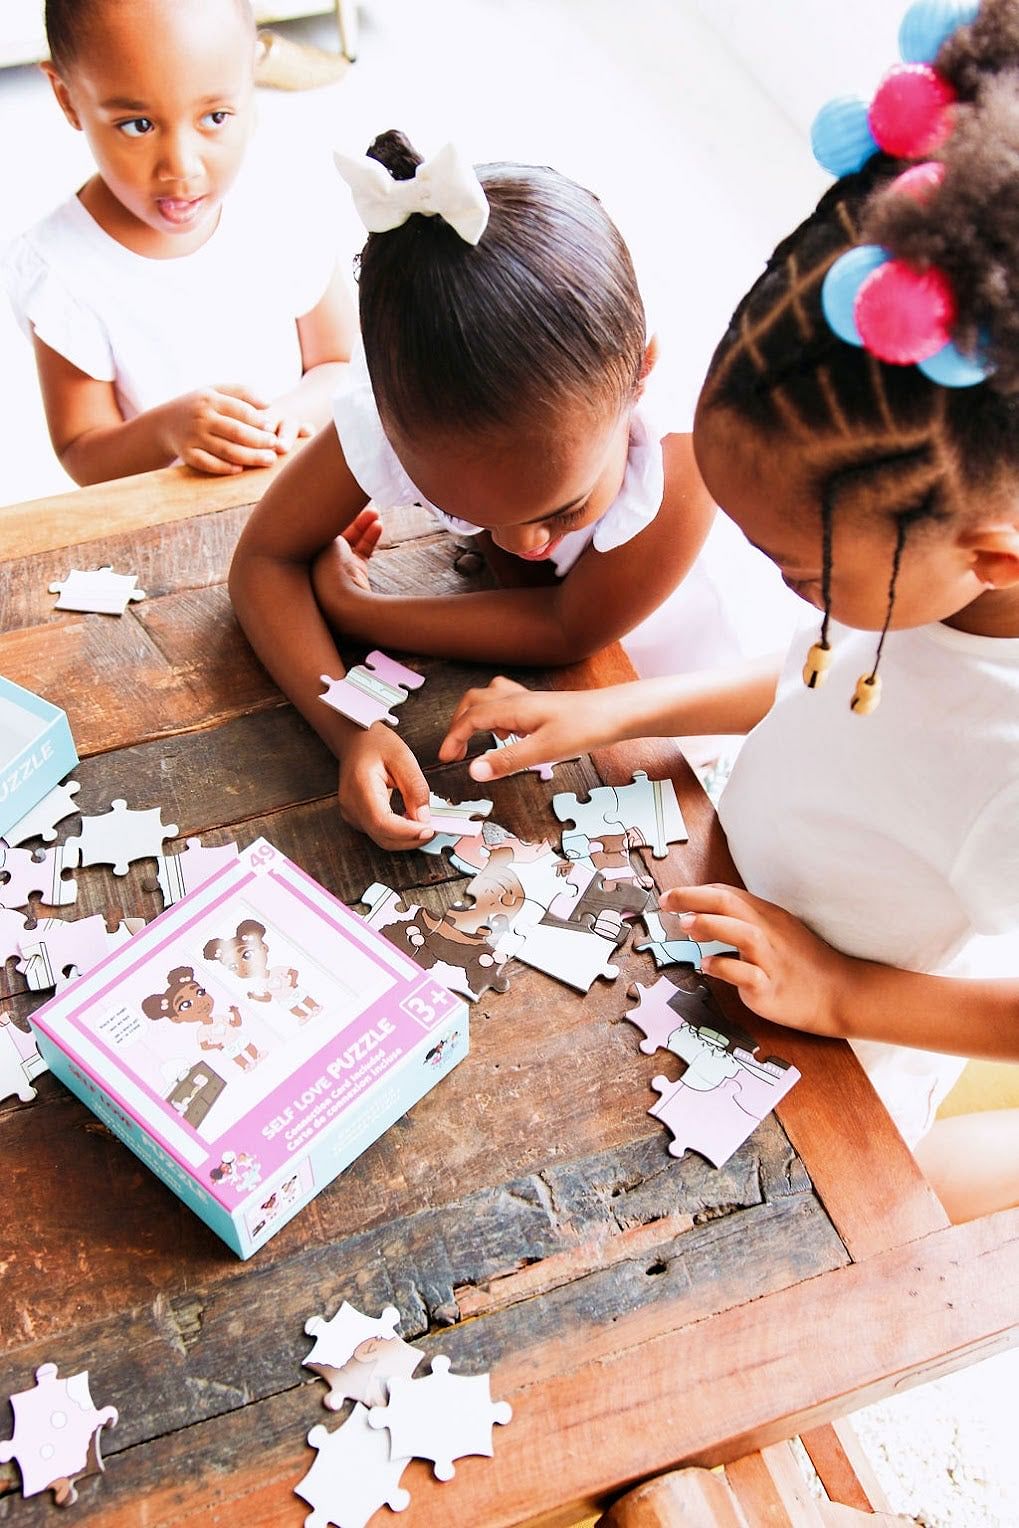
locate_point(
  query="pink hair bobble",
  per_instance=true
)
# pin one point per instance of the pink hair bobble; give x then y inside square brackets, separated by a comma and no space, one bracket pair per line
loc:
[910,115]
[895,311]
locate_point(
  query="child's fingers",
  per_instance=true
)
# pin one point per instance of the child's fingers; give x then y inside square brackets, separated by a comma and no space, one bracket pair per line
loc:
[241,433]
[749,980]
[714,897]
[510,760]
[204,461]
[241,456]
[244,395]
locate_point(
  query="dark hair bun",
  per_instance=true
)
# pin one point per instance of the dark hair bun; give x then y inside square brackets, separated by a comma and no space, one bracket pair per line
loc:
[395,152]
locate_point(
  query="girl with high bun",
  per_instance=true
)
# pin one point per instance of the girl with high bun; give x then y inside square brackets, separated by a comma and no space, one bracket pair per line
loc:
[502,384]
[860,422]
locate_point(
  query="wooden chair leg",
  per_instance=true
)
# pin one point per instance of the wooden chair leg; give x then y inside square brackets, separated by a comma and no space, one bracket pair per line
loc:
[844,1469]
[682,1499]
[346,20]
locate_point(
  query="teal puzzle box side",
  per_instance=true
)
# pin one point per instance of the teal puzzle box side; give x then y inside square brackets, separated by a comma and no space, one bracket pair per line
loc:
[36,751]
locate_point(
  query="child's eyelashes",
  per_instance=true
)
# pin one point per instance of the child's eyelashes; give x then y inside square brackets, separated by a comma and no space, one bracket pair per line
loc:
[136,127]
[570,516]
[216,118]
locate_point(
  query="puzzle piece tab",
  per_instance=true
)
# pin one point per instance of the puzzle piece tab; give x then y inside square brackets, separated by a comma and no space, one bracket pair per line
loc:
[21,874]
[13,928]
[177,874]
[647,808]
[118,838]
[455,944]
[20,1061]
[56,1434]
[662,1007]
[100,591]
[354,1474]
[454,821]
[57,950]
[441,1417]
[369,690]
[671,945]
[41,821]
[357,1355]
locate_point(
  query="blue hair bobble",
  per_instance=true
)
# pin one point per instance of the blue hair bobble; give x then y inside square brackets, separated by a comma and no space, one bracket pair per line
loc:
[841,137]
[843,282]
[929,23]
[950,368]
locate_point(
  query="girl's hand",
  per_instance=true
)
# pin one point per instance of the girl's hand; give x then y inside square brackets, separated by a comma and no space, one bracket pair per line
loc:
[287,427]
[784,972]
[219,430]
[552,726]
[375,763]
[339,574]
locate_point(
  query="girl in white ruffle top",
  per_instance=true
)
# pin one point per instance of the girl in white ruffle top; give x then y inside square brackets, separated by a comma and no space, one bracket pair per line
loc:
[502,384]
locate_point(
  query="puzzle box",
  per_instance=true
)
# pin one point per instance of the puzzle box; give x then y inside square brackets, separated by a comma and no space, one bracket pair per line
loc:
[251,1042]
[36,751]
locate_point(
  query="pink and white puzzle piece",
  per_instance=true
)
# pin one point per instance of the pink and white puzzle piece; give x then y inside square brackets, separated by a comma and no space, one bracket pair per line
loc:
[13,929]
[354,1474]
[56,1434]
[177,874]
[647,808]
[99,591]
[57,951]
[20,1061]
[662,1008]
[21,874]
[357,1355]
[454,820]
[118,838]
[369,690]
[41,821]
[441,1417]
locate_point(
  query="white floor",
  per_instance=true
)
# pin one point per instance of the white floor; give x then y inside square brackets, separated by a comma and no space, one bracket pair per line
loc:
[689,117]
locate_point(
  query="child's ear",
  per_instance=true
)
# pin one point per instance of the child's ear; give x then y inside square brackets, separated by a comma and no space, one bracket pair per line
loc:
[59,87]
[648,364]
[995,553]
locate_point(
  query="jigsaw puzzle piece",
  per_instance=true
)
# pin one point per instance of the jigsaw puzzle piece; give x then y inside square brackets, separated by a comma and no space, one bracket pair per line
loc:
[600,905]
[670,945]
[455,823]
[20,1061]
[57,951]
[41,821]
[369,690]
[21,874]
[441,1417]
[357,1355]
[118,838]
[177,874]
[663,1007]
[543,771]
[650,808]
[56,1434]
[454,945]
[100,591]
[354,1474]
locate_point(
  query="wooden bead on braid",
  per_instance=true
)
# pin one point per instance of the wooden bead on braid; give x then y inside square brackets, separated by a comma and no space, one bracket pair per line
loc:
[815,670]
[867,695]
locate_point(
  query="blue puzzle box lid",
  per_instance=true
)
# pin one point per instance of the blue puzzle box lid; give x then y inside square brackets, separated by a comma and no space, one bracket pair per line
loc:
[36,751]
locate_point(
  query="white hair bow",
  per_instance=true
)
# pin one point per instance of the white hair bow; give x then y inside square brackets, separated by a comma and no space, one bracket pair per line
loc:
[444,186]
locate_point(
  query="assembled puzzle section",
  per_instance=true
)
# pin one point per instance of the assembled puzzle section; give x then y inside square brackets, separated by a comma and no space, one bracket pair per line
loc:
[452,944]
[670,945]
[646,811]
[248,1044]
[368,692]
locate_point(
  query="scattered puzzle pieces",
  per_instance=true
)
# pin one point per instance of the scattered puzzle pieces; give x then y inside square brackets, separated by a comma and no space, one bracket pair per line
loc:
[357,1355]
[41,821]
[118,838]
[368,690]
[353,1475]
[671,945]
[177,874]
[647,807]
[455,944]
[56,1434]
[441,1417]
[57,950]
[100,591]
[724,1093]
[21,874]
[20,1061]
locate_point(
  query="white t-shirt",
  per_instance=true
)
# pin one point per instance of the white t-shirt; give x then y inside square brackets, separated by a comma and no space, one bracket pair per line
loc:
[158,328]
[894,836]
[715,615]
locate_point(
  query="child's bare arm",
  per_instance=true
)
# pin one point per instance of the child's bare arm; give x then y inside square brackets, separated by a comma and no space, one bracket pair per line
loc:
[602,598]
[559,724]
[327,336]
[218,430]
[786,973]
[314,500]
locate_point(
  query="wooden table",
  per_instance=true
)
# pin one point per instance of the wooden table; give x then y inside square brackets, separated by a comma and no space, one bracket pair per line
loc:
[638,1311]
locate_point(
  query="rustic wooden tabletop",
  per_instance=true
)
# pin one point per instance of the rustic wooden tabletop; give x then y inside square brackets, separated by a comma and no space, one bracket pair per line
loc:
[637,1310]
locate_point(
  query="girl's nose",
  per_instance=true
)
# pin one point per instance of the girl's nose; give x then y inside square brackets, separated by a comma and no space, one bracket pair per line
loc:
[524,540]
[181,160]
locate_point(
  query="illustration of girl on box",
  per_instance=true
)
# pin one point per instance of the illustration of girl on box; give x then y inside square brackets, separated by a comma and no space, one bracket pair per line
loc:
[185,1001]
[246,954]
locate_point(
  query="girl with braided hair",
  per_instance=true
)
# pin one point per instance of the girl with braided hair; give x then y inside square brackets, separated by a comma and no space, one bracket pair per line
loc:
[860,422]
